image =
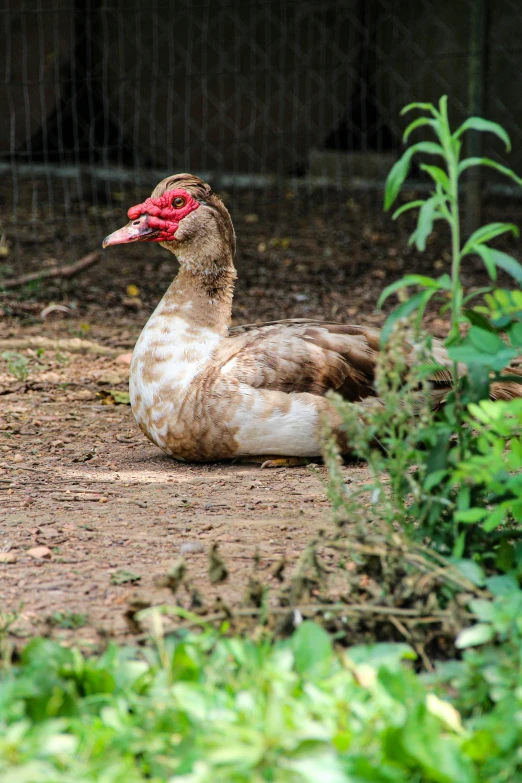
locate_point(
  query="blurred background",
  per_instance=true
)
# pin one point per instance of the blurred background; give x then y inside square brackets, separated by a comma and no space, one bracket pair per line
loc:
[290,108]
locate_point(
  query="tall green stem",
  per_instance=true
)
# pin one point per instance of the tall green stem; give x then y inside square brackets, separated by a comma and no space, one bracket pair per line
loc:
[456,287]
[452,149]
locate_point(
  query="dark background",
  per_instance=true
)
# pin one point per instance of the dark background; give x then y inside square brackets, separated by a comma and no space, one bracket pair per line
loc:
[101,98]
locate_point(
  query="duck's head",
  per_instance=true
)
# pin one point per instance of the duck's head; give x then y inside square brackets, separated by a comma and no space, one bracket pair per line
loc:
[182,211]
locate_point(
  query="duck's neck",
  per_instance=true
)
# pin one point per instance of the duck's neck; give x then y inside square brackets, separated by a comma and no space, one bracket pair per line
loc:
[202,292]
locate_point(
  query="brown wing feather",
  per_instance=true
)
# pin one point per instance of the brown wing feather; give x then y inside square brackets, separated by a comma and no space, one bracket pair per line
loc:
[303,355]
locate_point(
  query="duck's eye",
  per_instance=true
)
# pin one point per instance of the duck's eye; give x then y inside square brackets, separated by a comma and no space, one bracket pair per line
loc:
[178,202]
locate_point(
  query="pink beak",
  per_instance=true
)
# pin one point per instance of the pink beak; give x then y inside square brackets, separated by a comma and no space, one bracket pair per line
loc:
[135,231]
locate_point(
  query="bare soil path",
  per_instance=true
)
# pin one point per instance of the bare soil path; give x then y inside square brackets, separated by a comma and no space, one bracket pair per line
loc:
[85,499]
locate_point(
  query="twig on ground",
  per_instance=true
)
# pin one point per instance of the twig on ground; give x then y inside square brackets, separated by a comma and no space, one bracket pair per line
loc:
[5,466]
[415,554]
[70,344]
[65,272]
[419,649]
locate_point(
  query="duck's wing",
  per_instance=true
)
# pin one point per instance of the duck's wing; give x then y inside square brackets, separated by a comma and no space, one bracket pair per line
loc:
[314,356]
[302,356]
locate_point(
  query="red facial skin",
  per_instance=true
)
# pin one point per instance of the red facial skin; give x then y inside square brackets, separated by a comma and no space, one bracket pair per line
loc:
[156,220]
[163,217]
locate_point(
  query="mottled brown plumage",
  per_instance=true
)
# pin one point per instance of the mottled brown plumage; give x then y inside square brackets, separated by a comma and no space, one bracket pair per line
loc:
[201,390]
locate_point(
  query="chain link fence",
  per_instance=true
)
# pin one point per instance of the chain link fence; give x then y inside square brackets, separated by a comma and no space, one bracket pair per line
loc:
[101,98]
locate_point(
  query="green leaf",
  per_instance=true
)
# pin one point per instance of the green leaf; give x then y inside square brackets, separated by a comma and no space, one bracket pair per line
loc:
[469,354]
[406,207]
[485,126]
[470,570]
[478,292]
[494,519]
[427,215]
[496,258]
[492,164]
[400,169]
[479,382]
[489,232]
[114,397]
[120,397]
[477,634]
[477,319]
[507,263]
[122,576]
[433,479]
[390,289]
[485,341]
[424,106]
[471,515]
[505,557]
[312,647]
[387,654]
[485,254]
[502,584]
[417,302]
[438,175]
[486,412]
[460,544]
[483,348]
[442,283]
[324,766]
[418,123]
[515,335]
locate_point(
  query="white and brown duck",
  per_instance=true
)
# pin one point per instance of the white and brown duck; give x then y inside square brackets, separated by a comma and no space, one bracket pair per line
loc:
[201,390]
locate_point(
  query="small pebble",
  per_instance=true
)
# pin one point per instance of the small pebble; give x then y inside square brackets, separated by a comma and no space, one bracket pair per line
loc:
[83,394]
[40,552]
[124,358]
[191,548]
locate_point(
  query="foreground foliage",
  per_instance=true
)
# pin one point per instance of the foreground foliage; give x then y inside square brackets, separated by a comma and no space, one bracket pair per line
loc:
[207,708]
[446,474]
[451,475]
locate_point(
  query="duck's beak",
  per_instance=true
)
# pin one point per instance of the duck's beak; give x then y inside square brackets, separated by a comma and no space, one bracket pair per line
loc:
[137,230]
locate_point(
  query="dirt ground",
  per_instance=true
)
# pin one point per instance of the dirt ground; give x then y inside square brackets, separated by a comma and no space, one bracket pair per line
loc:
[90,512]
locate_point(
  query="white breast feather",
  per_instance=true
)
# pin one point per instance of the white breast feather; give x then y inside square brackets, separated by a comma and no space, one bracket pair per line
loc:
[181,352]
[290,433]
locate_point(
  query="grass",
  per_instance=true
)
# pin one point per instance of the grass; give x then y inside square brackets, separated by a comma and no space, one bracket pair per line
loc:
[68,619]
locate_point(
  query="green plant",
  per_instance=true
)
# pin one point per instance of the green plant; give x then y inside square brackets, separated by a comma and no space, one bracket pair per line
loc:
[122,576]
[7,620]
[490,477]
[62,359]
[426,476]
[443,204]
[382,435]
[17,364]
[485,686]
[68,619]
[494,338]
[203,708]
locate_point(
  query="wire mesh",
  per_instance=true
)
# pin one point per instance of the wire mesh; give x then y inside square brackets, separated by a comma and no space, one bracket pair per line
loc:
[102,97]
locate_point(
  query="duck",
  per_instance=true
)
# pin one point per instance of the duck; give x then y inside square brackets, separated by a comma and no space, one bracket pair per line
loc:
[202,390]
